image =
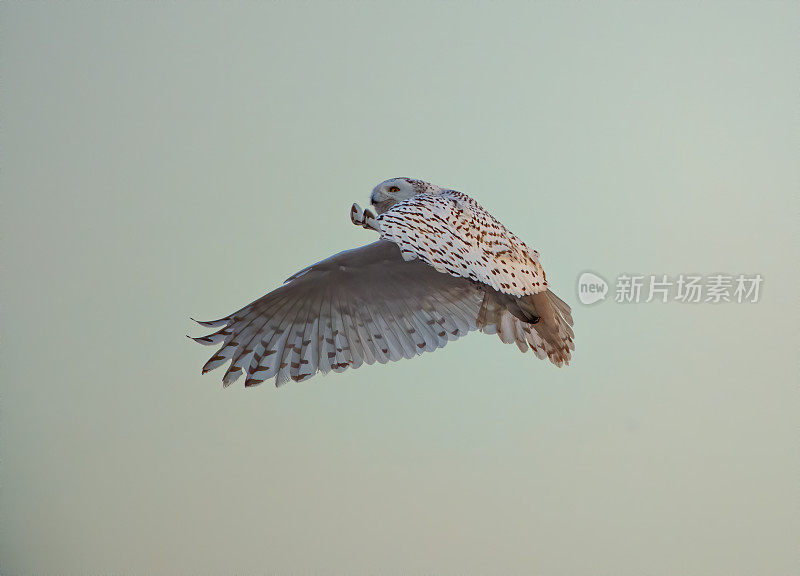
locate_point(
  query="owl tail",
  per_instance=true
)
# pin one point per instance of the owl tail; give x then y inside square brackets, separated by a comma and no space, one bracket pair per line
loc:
[540,321]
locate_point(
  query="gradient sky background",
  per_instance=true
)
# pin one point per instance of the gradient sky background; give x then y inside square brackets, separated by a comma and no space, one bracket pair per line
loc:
[162,160]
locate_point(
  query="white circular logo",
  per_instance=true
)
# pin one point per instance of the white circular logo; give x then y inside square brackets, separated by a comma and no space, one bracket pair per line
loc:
[591,288]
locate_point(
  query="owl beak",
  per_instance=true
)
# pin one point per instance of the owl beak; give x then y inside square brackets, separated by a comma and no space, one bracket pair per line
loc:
[381,207]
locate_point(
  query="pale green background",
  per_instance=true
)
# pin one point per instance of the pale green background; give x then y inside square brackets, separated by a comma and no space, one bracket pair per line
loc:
[162,160]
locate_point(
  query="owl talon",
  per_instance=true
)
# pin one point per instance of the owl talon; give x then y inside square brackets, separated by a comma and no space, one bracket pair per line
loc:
[357,215]
[371,220]
[364,218]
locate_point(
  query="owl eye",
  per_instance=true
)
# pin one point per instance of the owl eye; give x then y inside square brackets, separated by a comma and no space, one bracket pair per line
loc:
[394,189]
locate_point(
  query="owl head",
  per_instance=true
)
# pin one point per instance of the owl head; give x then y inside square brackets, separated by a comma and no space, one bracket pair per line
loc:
[390,192]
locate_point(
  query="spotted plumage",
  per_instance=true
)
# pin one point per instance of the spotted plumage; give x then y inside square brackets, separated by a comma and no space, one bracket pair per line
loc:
[443,267]
[454,234]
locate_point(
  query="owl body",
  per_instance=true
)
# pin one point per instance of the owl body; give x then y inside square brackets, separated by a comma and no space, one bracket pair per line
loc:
[454,234]
[443,267]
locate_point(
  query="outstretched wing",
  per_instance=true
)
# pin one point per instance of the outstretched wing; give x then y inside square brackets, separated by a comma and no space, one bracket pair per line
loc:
[360,306]
[454,234]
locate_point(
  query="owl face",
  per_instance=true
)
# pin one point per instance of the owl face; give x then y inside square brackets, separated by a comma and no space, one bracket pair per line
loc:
[390,192]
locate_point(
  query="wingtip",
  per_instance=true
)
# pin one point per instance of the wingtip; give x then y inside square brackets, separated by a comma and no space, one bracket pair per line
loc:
[211,323]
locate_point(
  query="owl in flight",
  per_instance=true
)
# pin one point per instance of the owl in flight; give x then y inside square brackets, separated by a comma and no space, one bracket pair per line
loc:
[443,266]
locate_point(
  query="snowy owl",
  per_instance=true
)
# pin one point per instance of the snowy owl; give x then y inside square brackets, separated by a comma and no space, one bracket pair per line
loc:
[443,266]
